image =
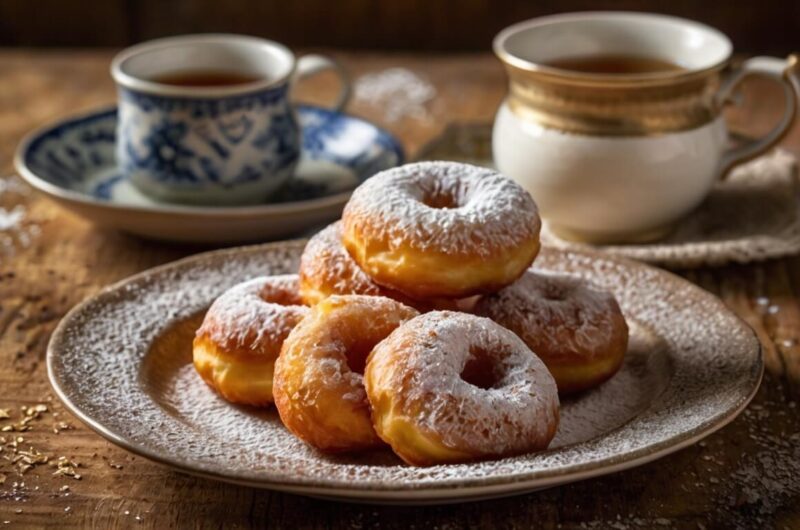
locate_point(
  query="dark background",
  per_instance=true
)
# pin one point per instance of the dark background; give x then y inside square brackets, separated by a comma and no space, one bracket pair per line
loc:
[756,26]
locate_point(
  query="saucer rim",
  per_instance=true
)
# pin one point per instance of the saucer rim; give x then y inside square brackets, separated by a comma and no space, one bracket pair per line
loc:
[63,194]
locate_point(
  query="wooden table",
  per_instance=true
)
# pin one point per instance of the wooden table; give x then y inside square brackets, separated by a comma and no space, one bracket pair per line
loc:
[747,475]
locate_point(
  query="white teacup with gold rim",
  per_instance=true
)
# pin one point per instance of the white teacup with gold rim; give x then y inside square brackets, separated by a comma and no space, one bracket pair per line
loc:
[614,120]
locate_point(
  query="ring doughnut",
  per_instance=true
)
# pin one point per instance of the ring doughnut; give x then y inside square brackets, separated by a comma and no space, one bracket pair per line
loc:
[579,332]
[441,229]
[235,348]
[451,387]
[319,390]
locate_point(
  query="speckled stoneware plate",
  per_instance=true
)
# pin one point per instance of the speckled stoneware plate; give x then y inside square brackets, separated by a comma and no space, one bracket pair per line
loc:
[73,162]
[121,362]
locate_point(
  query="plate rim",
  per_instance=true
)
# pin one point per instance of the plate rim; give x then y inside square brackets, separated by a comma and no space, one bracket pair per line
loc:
[440,491]
[63,194]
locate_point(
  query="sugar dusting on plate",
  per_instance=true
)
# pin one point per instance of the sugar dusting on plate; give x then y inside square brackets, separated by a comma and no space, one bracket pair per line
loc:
[107,362]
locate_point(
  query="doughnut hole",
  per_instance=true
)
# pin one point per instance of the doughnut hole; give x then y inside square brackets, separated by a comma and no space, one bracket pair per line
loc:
[441,199]
[358,349]
[480,370]
[281,296]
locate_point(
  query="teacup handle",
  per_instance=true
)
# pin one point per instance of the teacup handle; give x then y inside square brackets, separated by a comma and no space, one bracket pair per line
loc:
[779,70]
[312,64]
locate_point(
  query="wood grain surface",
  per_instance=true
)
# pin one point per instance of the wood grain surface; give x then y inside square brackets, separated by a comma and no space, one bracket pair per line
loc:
[745,476]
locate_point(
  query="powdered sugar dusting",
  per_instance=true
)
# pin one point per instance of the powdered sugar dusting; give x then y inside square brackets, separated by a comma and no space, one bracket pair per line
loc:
[17,228]
[326,267]
[319,389]
[256,315]
[100,361]
[646,373]
[319,355]
[557,316]
[398,92]
[420,367]
[443,207]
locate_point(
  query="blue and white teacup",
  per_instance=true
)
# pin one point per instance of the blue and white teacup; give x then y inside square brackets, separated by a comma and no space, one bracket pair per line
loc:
[211,144]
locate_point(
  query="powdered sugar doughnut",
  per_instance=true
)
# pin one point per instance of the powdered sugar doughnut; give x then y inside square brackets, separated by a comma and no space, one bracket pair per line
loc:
[441,229]
[451,387]
[579,332]
[235,348]
[326,268]
[319,391]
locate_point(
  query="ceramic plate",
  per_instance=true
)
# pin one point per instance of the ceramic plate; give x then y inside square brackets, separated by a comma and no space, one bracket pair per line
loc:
[73,162]
[121,362]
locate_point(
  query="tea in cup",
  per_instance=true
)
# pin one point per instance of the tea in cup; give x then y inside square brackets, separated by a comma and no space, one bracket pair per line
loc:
[206,119]
[614,122]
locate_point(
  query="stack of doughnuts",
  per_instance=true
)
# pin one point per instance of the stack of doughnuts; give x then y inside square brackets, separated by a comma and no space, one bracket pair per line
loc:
[416,322]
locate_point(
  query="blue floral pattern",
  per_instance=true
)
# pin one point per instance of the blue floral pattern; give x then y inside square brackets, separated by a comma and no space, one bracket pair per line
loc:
[165,153]
[79,154]
[182,147]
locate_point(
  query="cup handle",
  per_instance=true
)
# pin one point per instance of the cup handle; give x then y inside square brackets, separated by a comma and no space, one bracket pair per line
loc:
[779,70]
[309,65]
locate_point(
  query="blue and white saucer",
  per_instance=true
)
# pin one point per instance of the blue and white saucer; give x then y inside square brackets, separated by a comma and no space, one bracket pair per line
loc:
[73,162]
